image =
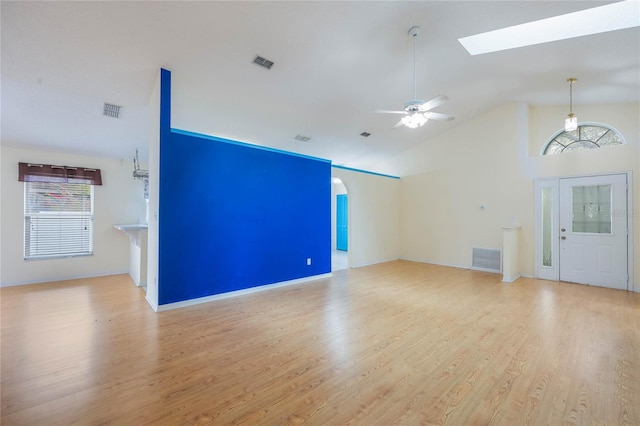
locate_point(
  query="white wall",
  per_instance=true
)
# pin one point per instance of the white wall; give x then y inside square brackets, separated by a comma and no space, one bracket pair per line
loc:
[473,165]
[626,119]
[119,200]
[432,214]
[374,208]
[493,160]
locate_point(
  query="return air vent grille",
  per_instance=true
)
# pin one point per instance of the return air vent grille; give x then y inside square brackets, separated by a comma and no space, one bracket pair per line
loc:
[111,110]
[265,63]
[484,259]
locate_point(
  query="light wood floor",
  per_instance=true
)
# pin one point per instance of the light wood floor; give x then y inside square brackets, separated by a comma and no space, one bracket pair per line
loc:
[396,343]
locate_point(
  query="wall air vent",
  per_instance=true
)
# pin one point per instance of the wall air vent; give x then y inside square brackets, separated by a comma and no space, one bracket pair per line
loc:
[111,110]
[265,63]
[485,259]
[302,138]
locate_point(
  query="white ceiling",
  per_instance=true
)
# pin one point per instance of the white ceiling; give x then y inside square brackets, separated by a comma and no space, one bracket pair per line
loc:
[335,62]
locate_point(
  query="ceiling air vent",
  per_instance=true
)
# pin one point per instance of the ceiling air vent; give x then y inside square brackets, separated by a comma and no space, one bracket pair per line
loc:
[302,138]
[265,63]
[365,134]
[111,110]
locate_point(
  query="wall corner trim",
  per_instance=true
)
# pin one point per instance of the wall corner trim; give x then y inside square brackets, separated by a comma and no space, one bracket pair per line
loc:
[364,171]
[153,305]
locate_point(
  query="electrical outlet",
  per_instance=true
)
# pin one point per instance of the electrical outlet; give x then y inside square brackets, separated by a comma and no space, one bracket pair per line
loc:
[308,261]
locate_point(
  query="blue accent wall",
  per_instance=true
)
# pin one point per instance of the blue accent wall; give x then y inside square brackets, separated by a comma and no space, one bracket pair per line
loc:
[233,216]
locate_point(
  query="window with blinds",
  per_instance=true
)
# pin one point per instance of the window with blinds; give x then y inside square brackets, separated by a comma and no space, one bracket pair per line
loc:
[58,220]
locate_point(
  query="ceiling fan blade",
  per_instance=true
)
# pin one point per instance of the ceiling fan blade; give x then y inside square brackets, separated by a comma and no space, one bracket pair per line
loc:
[399,124]
[432,103]
[439,116]
[386,111]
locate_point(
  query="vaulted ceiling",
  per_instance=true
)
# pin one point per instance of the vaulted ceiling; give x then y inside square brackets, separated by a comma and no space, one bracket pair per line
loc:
[334,64]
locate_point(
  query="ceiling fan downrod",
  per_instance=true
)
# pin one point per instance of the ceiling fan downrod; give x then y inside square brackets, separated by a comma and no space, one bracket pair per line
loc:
[413,32]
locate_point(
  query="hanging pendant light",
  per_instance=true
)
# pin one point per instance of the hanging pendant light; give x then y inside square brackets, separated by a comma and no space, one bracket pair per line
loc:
[571,122]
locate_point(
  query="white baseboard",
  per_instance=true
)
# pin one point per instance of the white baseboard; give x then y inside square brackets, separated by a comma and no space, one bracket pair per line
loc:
[521,275]
[375,262]
[191,302]
[67,278]
[491,271]
[428,262]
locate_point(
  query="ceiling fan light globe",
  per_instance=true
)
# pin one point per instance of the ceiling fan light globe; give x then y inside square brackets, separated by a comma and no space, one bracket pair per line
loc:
[414,120]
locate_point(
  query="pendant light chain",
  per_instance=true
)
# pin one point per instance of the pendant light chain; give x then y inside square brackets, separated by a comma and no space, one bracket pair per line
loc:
[571,122]
[571,80]
[571,96]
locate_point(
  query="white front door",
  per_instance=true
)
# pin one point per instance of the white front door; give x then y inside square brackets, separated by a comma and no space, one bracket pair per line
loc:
[593,230]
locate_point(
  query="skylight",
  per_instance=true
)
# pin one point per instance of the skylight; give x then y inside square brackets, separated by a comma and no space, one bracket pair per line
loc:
[611,17]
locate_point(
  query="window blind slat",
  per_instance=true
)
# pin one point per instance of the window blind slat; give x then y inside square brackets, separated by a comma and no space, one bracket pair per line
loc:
[58,219]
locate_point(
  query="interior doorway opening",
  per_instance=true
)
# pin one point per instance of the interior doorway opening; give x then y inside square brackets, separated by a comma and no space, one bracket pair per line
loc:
[339,225]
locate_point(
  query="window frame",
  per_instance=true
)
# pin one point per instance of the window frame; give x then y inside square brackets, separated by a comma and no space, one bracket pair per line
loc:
[586,124]
[83,215]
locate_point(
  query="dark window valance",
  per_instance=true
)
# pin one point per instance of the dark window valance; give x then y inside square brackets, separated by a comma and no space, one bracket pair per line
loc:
[31,172]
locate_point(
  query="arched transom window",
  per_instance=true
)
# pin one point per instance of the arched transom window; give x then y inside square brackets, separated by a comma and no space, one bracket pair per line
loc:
[586,136]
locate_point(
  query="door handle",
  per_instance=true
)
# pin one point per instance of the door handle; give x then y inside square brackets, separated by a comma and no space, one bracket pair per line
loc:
[562,229]
[563,238]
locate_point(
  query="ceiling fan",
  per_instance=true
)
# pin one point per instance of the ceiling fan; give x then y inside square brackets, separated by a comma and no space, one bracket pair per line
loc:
[417,112]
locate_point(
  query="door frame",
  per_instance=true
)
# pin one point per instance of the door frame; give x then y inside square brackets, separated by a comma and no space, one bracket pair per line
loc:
[347,186]
[553,272]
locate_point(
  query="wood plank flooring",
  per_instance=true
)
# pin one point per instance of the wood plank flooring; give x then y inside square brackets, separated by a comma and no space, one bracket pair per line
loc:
[396,343]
